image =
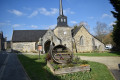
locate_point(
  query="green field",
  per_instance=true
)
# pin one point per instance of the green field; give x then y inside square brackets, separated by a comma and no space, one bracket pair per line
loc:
[37,70]
[99,54]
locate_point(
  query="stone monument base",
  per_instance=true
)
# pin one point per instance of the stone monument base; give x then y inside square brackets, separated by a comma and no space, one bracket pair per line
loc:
[68,69]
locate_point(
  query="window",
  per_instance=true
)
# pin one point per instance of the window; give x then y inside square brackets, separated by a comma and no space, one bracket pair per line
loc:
[93,41]
[61,20]
[36,46]
[81,40]
[64,20]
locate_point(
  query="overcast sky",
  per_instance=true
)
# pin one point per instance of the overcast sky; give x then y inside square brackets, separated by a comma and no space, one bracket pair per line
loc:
[42,14]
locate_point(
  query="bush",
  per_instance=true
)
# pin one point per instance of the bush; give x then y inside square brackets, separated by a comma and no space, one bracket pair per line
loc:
[83,62]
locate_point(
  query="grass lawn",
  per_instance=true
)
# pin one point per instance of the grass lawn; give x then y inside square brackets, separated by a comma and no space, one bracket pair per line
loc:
[37,70]
[99,54]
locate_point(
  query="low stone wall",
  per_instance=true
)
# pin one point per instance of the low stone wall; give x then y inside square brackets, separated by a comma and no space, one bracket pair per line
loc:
[24,46]
[69,69]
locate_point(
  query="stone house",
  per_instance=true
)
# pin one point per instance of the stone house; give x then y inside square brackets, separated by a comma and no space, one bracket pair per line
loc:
[77,40]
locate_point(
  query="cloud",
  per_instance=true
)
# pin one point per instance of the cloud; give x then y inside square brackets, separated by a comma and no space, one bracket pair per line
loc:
[52,26]
[34,14]
[44,11]
[34,26]
[24,25]
[49,26]
[73,22]
[106,16]
[68,11]
[91,17]
[4,24]
[52,11]
[16,25]
[16,12]
[26,8]
[112,23]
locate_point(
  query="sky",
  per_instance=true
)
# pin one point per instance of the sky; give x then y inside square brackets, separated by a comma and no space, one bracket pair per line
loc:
[42,14]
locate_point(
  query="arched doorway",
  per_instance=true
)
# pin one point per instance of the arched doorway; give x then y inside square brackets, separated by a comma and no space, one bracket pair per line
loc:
[47,46]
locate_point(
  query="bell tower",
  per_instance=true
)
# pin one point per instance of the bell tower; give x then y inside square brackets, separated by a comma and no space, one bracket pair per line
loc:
[62,30]
[61,20]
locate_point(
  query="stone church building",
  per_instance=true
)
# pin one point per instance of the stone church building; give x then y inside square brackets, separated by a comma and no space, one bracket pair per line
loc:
[76,39]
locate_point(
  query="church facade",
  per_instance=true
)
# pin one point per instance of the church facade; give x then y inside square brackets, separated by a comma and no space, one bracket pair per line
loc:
[76,39]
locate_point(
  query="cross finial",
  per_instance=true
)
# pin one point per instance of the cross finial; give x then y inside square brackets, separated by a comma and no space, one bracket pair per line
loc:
[61,8]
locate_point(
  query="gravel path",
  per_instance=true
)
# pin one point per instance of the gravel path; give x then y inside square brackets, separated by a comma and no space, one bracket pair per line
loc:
[113,63]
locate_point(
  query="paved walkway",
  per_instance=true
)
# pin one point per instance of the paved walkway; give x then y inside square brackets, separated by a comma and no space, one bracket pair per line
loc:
[12,68]
[113,63]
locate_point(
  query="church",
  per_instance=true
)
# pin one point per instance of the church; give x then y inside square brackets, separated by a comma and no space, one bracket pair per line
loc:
[76,39]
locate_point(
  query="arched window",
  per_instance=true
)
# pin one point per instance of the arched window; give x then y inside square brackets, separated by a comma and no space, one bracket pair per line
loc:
[93,41]
[64,20]
[81,40]
[61,20]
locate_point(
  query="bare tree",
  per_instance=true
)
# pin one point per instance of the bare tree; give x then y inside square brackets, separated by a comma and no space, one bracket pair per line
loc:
[101,30]
[85,24]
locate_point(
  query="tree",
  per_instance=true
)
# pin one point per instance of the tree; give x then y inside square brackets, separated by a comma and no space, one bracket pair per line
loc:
[101,30]
[82,23]
[108,39]
[116,27]
[85,24]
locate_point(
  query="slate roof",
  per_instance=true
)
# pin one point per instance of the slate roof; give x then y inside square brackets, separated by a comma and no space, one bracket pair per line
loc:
[74,31]
[27,35]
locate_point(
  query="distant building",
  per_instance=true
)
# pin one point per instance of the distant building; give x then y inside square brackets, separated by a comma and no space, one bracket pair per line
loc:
[77,40]
[8,44]
[3,44]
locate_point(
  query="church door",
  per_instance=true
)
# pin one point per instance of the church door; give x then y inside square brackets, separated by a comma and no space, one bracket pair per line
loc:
[47,46]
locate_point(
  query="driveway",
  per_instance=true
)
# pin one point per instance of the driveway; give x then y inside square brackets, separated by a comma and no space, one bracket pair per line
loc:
[113,63]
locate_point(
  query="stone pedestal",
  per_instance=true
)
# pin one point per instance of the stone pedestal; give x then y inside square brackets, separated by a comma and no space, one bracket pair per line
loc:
[68,69]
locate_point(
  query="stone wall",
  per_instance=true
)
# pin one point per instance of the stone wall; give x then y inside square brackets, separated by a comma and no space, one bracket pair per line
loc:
[47,37]
[64,33]
[88,44]
[99,45]
[24,46]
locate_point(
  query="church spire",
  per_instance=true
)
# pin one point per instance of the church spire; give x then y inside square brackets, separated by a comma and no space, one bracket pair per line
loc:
[61,8]
[61,20]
